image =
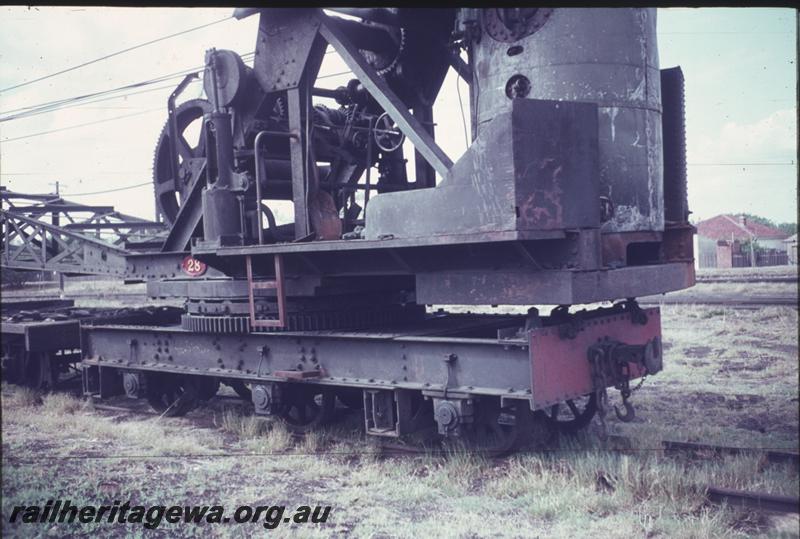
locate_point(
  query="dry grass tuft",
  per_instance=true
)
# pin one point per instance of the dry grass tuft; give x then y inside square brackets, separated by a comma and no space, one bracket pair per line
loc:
[274,439]
[62,403]
[242,425]
[19,398]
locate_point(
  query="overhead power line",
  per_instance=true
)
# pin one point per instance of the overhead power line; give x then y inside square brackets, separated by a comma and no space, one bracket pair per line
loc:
[121,117]
[161,109]
[69,175]
[784,163]
[104,95]
[26,83]
[154,80]
[58,104]
[54,108]
[134,186]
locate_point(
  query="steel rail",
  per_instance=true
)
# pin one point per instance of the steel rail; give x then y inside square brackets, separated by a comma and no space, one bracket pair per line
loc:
[772,455]
[759,501]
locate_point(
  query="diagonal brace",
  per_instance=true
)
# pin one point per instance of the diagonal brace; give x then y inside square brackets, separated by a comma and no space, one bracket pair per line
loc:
[383,94]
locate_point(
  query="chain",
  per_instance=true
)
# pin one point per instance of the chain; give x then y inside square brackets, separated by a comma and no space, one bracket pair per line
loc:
[596,356]
[641,382]
[602,357]
[602,409]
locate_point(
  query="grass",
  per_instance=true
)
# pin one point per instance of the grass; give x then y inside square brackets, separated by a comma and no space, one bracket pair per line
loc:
[579,491]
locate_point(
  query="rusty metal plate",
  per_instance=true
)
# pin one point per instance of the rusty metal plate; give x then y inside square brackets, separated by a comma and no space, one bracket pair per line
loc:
[298,375]
[560,368]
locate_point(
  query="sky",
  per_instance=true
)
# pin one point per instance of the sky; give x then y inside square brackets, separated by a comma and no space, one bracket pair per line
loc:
[740,66]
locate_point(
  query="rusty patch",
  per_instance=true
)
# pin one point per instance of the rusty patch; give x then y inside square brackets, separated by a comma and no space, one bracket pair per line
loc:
[324,216]
[560,368]
[298,375]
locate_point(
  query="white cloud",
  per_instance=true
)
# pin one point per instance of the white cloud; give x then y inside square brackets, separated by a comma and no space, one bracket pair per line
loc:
[770,139]
[729,170]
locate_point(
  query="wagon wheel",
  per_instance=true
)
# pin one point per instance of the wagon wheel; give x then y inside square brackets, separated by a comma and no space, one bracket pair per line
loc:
[172,395]
[351,397]
[171,192]
[497,430]
[13,363]
[306,407]
[41,372]
[207,388]
[572,415]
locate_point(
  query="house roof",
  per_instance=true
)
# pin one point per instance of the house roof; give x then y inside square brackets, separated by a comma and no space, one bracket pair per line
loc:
[791,239]
[725,227]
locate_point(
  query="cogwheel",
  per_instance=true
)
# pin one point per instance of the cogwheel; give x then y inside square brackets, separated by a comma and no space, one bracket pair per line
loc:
[167,197]
[279,107]
[397,56]
[376,60]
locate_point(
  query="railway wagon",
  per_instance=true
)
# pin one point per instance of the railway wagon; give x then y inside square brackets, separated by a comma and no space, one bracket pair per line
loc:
[316,259]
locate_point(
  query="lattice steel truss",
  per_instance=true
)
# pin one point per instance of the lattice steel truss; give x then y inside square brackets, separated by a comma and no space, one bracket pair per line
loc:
[46,232]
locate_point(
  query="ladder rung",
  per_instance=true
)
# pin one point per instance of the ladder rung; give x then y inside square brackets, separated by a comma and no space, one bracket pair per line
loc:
[277,284]
[264,284]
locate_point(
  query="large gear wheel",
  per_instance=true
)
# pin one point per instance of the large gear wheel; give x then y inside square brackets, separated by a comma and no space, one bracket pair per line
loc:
[381,316]
[385,64]
[170,192]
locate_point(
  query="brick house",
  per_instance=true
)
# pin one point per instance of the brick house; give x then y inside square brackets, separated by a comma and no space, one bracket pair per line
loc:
[721,238]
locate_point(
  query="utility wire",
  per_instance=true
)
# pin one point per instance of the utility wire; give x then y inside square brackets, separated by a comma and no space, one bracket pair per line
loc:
[59,104]
[45,110]
[20,85]
[67,175]
[24,112]
[461,107]
[107,190]
[82,125]
[792,163]
[122,116]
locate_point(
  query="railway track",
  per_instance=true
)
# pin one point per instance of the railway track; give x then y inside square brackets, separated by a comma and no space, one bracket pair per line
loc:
[622,443]
[743,279]
[758,501]
[619,442]
[732,303]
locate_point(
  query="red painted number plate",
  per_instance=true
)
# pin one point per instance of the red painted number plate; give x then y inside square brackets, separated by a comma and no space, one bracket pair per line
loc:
[193,267]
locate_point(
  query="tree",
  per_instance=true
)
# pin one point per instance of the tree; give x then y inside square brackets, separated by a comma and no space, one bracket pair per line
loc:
[757,219]
[788,228]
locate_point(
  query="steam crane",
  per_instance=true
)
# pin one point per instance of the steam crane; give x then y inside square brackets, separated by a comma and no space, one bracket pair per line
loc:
[572,191]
